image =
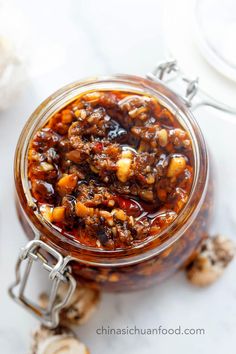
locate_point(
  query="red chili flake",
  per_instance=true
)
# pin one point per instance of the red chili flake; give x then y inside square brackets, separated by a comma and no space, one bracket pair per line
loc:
[98,147]
[130,206]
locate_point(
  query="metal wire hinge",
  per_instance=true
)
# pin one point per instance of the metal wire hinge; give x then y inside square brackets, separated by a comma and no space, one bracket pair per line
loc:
[59,271]
[169,71]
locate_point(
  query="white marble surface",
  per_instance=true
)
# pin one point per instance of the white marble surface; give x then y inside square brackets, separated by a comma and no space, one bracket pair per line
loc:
[64,41]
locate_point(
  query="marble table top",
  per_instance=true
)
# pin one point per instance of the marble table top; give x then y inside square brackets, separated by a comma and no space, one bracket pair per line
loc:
[67,40]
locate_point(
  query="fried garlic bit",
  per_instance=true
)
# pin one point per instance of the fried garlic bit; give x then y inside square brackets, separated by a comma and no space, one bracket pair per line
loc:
[80,307]
[214,256]
[56,341]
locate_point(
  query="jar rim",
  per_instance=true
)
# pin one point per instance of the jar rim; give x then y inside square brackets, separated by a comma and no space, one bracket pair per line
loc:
[148,248]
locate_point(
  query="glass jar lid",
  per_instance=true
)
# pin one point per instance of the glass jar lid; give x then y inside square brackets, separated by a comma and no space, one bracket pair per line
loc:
[200,39]
[215,33]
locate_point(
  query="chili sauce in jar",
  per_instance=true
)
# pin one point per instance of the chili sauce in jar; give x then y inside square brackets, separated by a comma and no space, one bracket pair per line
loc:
[117,178]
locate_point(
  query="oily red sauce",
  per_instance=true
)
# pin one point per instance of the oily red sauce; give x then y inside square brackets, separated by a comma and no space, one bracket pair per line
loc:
[111,169]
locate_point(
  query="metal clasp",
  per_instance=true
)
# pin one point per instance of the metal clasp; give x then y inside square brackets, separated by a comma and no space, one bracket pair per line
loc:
[59,271]
[169,71]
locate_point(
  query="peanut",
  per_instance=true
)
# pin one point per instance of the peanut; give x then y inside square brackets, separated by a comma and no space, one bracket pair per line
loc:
[146,195]
[127,154]
[81,113]
[107,216]
[176,166]
[83,211]
[123,166]
[163,137]
[123,169]
[45,166]
[150,179]
[92,97]
[67,184]
[58,214]
[137,111]
[119,214]
[67,116]
[111,203]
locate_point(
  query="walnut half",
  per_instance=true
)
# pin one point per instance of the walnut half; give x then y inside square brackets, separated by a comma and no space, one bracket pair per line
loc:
[80,307]
[58,341]
[214,256]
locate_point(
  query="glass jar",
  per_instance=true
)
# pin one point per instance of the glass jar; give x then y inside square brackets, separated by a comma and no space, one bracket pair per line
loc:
[152,261]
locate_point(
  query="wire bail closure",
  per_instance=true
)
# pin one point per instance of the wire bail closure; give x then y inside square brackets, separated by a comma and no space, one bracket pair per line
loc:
[59,271]
[169,71]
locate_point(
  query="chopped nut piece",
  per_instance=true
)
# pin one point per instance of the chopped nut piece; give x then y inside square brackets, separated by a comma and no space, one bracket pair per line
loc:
[34,155]
[123,168]
[186,143]
[111,203]
[131,220]
[146,195]
[92,97]
[138,111]
[214,256]
[163,137]
[83,211]
[67,116]
[67,184]
[127,153]
[150,179]
[44,166]
[81,113]
[98,243]
[119,214]
[58,214]
[107,216]
[176,166]
[74,155]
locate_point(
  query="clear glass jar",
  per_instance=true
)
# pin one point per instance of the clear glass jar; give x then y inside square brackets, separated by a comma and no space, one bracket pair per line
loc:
[152,261]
